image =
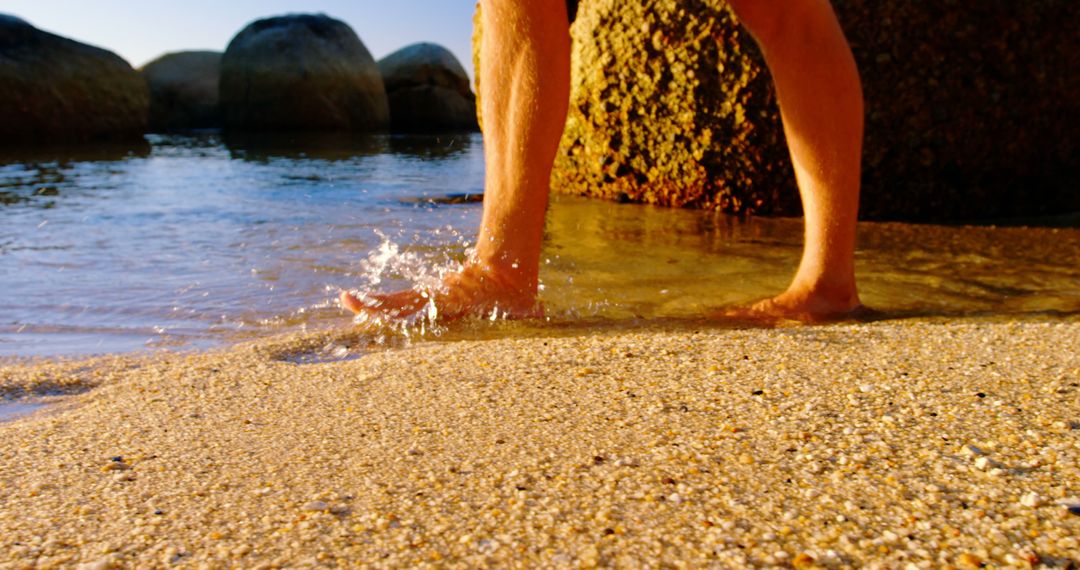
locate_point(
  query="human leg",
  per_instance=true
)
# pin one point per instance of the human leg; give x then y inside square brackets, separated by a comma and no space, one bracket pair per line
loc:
[820,96]
[524,94]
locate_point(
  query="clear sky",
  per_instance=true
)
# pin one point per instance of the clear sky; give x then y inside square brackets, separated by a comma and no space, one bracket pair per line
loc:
[141,30]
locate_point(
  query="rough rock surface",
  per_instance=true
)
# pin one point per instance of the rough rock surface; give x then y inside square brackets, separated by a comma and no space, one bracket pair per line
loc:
[53,89]
[184,90]
[660,110]
[301,72]
[428,90]
[970,109]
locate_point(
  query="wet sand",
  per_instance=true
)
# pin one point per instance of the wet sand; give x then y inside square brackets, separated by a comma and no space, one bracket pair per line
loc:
[886,444]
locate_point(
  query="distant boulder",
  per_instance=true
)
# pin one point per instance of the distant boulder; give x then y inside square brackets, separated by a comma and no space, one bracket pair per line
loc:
[53,89]
[301,72]
[184,90]
[428,90]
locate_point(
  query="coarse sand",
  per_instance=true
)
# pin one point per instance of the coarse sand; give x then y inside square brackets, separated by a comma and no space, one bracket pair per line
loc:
[893,444]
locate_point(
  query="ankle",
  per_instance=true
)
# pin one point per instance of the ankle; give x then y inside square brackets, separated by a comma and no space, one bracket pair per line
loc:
[826,300]
[506,279]
[827,292]
[506,267]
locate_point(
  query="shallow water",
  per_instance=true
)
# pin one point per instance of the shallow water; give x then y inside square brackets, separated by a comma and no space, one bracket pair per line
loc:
[196,240]
[10,411]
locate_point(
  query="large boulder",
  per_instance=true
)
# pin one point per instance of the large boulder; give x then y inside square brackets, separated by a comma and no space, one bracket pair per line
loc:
[428,90]
[667,108]
[301,72]
[53,89]
[971,109]
[184,90]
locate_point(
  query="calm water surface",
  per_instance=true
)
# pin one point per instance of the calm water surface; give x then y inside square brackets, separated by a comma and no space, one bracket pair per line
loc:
[197,240]
[14,410]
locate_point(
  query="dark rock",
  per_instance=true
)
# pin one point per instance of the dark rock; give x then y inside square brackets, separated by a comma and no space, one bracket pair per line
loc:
[971,109]
[184,90]
[301,73]
[53,89]
[428,90]
[447,200]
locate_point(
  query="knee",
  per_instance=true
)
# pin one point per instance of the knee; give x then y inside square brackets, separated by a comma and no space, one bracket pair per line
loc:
[770,21]
[524,15]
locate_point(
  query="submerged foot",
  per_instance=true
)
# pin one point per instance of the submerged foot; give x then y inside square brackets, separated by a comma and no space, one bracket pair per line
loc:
[796,306]
[472,292]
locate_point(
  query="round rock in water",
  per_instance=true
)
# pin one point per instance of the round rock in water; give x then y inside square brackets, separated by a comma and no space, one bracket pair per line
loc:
[53,89]
[428,89]
[184,90]
[667,107]
[301,72]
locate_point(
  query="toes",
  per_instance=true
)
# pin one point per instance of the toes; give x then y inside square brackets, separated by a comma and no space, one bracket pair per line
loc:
[350,302]
[395,305]
[752,316]
[774,312]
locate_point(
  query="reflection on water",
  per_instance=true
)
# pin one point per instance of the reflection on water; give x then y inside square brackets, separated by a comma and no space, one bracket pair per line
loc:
[68,154]
[654,262]
[265,147]
[200,239]
[13,410]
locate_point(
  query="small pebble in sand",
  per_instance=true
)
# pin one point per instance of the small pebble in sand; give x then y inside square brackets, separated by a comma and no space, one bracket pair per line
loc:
[1031,500]
[115,466]
[968,560]
[107,563]
[971,451]
[316,506]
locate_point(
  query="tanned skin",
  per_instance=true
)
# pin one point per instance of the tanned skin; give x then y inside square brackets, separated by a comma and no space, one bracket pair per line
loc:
[525,89]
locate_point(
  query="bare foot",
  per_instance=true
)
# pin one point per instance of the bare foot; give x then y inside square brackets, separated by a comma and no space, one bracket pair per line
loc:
[799,306]
[471,292]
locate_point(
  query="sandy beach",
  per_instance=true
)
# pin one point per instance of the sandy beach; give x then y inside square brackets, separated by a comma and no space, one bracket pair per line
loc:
[892,444]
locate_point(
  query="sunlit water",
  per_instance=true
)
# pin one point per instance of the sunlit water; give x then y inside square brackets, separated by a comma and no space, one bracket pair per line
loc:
[195,241]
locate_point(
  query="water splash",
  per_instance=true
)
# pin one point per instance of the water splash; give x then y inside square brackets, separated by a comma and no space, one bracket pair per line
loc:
[425,274]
